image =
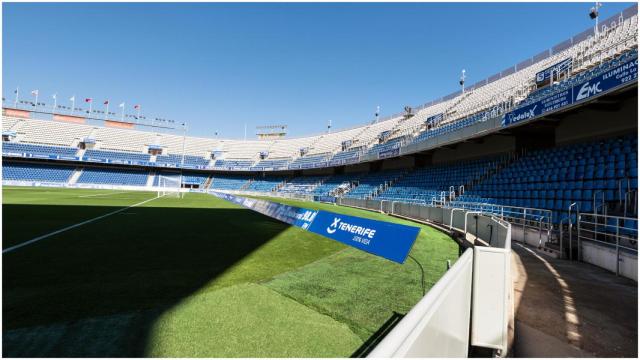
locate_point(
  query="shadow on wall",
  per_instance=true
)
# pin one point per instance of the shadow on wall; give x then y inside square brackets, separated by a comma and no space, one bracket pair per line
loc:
[116,276]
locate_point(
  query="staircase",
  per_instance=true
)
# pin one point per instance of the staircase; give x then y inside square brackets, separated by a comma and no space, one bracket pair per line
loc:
[80,153]
[207,183]
[75,176]
[150,179]
[246,185]
[387,185]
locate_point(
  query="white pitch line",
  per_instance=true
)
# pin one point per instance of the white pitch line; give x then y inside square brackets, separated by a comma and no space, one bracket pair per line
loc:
[9,249]
[106,194]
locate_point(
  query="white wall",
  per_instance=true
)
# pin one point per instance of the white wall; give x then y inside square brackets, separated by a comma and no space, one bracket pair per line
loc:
[438,326]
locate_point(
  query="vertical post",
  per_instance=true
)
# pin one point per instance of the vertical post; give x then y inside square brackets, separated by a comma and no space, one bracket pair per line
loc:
[15,103]
[617,248]
[561,240]
[578,217]
[524,226]
[184,139]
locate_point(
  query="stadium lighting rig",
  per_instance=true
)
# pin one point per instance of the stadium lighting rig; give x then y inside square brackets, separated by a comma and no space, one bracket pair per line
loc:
[594,14]
[462,78]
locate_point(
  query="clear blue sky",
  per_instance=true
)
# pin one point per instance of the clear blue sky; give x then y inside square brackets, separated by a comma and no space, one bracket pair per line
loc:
[219,66]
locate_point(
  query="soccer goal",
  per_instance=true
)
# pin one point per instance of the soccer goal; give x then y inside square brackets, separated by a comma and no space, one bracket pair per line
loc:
[169,186]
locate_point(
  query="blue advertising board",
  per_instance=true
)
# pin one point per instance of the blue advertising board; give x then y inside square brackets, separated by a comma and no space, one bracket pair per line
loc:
[324,198]
[613,78]
[388,240]
[388,153]
[602,83]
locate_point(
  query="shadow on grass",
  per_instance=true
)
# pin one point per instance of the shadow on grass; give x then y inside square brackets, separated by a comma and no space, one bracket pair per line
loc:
[124,270]
[375,339]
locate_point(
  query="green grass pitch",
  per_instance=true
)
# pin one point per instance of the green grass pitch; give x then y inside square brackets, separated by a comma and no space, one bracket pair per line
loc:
[193,277]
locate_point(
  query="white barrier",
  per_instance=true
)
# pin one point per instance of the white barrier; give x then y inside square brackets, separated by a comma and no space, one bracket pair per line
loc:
[438,326]
[423,334]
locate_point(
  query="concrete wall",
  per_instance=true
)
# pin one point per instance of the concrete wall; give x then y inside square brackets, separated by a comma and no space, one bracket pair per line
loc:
[604,256]
[597,122]
[490,145]
[398,163]
[357,168]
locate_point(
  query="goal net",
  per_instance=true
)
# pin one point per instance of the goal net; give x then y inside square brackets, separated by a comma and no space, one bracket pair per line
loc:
[169,186]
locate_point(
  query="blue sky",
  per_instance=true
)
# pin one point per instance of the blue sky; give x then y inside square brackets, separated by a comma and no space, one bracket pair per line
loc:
[219,66]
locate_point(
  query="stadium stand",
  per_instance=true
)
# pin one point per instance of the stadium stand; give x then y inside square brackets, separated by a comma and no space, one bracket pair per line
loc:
[175,160]
[589,174]
[516,87]
[229,182]
[370,184]
[37,150]
[114,156]
[234,163]
[273,163]
[266,184]
[36,172]
[113,176]
[424,185]
[335,183]
[302,184]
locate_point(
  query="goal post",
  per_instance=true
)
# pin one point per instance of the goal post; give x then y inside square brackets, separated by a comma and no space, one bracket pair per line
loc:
[169,186]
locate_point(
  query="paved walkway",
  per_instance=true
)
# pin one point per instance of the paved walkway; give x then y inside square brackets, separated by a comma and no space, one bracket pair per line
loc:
[571,309]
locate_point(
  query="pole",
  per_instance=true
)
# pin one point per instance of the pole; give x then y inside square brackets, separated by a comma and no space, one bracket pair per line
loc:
[377,113]
[37,93]
[15,103]
[122,114]
[597,16]
[184,139]
[73,103]
[90,106]
[106,113]
[55,102]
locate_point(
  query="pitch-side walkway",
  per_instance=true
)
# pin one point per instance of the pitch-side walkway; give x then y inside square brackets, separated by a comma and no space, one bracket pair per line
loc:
[571,309]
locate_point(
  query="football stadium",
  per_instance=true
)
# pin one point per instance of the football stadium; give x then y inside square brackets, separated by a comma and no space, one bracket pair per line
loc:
[500,220]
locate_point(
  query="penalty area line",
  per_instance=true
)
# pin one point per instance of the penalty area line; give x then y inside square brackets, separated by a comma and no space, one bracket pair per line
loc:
[42,237]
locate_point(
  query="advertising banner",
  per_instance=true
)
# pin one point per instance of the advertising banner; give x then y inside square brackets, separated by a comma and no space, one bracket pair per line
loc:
[388,240]
[602,83]
[615,77]
[388,153]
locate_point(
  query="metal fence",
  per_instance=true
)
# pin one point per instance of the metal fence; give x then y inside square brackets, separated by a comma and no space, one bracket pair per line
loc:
[618,233]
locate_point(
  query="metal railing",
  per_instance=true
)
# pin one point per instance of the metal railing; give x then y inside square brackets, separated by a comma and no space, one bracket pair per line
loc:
[618,232]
